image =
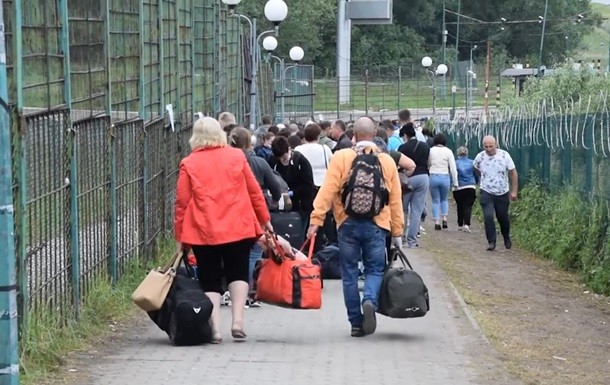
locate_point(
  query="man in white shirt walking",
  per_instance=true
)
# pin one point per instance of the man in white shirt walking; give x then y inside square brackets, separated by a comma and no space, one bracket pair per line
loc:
[496,166]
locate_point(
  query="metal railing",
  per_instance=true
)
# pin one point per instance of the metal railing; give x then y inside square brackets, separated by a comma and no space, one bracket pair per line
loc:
[95,155]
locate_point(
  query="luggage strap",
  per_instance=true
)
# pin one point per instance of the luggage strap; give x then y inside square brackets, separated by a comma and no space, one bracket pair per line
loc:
[400,255]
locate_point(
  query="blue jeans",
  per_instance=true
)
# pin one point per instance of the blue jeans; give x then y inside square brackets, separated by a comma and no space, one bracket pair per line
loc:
[256,253]
[439,190]
[361,238]
[415,203]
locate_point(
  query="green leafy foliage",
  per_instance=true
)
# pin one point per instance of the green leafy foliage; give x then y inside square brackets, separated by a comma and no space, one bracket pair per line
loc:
[567,228]
[417,27]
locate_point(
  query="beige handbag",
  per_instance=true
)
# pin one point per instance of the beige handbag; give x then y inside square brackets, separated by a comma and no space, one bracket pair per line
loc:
[151,293]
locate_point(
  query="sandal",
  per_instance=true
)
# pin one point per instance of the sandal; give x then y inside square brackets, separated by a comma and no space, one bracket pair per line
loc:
[216,340]
[238,335]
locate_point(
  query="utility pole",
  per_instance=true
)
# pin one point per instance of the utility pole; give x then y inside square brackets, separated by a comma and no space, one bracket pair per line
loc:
[9,345]
[487,74]
[444,51]
[457,43]
[546,8]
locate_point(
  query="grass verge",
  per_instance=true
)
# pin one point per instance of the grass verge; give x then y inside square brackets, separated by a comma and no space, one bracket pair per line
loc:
[47,343]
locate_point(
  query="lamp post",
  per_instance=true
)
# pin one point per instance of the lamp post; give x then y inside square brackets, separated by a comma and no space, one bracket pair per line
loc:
[453,92]
[296,55]
[469,82]
[276,12]
[441,70]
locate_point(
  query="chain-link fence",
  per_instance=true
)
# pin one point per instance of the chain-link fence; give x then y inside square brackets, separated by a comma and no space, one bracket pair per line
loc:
[562,144]
[95,154]
[384,90]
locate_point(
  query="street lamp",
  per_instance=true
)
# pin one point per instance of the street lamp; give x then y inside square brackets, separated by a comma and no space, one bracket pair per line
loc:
[441,70]
[276,12]
[469,82]
[296,55]
[270,43]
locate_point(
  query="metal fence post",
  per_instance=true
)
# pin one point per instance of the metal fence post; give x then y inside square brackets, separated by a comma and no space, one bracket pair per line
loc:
[338,95]
[589,154]
[366,91]
[73,151]
[9,340]
[566,174]
[112,260]
[20,177]
[399,87]
[161,51]
[112,207]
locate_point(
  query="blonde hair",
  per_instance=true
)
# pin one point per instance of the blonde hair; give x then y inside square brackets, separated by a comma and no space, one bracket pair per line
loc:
[462,151]
[226,118]
[207,133]
[240,138]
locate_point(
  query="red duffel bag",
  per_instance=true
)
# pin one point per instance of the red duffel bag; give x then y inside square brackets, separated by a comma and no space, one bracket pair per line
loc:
[282,281]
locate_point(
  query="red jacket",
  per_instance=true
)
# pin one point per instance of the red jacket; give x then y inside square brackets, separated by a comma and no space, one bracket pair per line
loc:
[218,199]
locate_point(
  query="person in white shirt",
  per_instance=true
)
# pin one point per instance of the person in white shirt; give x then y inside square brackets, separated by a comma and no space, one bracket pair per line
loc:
[496,167]
[441,164]
[317,154]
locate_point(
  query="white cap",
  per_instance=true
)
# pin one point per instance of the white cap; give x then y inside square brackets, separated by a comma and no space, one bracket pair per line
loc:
[280,126]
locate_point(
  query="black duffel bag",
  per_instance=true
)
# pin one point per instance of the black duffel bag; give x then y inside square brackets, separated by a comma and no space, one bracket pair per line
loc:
[328,259]
[186,312]
[403,293]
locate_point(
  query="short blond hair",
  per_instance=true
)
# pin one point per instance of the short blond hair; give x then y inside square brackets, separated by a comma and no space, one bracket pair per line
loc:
[207,133]
[225,119]
[462,151]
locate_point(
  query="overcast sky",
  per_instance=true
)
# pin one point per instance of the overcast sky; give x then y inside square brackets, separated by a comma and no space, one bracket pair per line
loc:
[601,1]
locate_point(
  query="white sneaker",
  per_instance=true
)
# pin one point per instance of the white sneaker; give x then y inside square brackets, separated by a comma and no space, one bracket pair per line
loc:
[225,300]
[421,228]
[467,229]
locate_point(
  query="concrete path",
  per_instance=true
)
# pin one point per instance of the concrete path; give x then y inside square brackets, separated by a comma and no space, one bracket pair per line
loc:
[314,347]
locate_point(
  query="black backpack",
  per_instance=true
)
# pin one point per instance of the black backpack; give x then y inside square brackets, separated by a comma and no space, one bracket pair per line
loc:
[364,195]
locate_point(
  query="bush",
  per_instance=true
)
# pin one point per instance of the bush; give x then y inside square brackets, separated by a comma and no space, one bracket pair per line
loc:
[567,228]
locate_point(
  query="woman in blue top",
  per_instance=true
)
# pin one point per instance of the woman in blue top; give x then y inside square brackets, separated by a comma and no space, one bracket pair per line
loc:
[466,192]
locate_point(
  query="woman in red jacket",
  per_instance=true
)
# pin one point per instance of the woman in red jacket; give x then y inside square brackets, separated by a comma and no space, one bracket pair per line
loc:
[220,212]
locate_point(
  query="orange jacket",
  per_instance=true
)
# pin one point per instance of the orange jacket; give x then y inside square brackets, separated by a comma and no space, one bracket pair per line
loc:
[218,199]
[391,216]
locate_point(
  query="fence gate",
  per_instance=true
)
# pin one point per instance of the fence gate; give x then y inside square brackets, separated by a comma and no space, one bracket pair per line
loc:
[294,96]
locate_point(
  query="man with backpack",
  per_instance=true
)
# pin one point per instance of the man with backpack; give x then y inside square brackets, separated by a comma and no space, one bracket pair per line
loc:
[363,188]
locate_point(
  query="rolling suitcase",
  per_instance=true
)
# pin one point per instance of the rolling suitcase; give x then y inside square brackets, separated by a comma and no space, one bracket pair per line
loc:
[288,226]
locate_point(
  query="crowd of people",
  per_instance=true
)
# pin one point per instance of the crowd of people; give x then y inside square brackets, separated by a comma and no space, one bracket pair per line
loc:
[234,177]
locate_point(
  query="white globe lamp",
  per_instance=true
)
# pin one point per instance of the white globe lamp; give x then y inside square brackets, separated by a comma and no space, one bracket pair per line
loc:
[426,62]
[276,11]
[442,69]
[269,43]
[296,53]
[231,3]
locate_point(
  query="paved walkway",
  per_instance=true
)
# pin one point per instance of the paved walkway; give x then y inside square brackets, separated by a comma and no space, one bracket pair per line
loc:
[314,347]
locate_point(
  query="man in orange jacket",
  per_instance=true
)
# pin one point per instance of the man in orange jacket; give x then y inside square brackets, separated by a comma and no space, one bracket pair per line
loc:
[361,236]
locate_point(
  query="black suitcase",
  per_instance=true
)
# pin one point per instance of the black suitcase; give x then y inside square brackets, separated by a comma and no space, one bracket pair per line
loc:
[185,313]
[288,226]
[403,292]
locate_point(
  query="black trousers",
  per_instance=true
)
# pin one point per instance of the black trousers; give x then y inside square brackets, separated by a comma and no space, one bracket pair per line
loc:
[498,205]
[464,200]
[230,261]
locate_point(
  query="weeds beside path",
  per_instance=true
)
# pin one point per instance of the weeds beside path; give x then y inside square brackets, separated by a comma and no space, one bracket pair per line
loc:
[548,327]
